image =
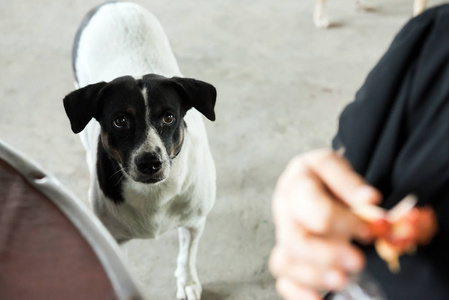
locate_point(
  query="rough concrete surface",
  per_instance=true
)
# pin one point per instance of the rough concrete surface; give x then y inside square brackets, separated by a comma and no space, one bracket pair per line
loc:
[281,85]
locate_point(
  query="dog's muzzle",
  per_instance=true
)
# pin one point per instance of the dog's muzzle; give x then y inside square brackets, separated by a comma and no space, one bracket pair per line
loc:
[150,167]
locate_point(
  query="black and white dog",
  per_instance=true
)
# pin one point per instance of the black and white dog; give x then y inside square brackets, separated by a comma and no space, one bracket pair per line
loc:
[147,150]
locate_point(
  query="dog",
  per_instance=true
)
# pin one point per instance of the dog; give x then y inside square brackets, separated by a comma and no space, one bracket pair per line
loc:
[140,121]
[320,20]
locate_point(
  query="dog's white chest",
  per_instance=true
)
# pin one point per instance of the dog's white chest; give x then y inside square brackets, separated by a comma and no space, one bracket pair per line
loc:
[147,216]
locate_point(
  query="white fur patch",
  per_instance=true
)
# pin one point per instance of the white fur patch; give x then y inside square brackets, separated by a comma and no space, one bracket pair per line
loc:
[123,39]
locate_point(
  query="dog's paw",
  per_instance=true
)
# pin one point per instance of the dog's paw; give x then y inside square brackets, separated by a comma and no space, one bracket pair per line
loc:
[362,6]
[189,291]
[321,22]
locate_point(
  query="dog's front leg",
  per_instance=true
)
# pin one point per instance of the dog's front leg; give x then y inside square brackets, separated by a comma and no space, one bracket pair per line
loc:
[419,6]
[189,286]
[319,15]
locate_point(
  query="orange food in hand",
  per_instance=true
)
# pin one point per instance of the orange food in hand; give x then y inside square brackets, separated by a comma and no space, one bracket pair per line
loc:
[400,232]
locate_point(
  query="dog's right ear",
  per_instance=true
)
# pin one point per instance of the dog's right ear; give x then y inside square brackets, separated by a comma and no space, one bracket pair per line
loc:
[82,105]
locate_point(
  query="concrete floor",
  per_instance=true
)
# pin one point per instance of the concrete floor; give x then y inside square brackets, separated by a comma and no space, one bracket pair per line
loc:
[281,85]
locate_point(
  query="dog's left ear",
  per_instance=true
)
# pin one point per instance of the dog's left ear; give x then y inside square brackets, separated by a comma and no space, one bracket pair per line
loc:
[198,94]
[82,105]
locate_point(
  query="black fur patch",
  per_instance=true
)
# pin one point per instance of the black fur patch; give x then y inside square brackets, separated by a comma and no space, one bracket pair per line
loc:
[109,175]
[164,98]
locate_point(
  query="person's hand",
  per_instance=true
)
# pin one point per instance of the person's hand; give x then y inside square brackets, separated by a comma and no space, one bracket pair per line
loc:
[315,226]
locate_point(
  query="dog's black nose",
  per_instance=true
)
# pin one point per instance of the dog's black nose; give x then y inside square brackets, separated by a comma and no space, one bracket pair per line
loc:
[148,163]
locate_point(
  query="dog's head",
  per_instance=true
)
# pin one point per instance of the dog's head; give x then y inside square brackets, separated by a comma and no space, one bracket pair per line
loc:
[142,125]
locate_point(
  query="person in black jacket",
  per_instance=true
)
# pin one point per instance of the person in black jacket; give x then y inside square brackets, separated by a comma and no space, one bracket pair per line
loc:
[395,137]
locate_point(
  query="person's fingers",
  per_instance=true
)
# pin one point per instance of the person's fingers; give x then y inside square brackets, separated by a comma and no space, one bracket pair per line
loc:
[339,176]
[305,273]
[318,211]
[305,195]
[309,203]
[324,253]
[292,291]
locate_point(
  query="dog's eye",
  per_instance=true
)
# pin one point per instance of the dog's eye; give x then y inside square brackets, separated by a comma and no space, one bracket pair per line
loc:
[120,122]
[168,118]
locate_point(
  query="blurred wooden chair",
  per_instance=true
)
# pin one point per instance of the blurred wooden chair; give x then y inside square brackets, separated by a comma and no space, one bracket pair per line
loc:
[51,245]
